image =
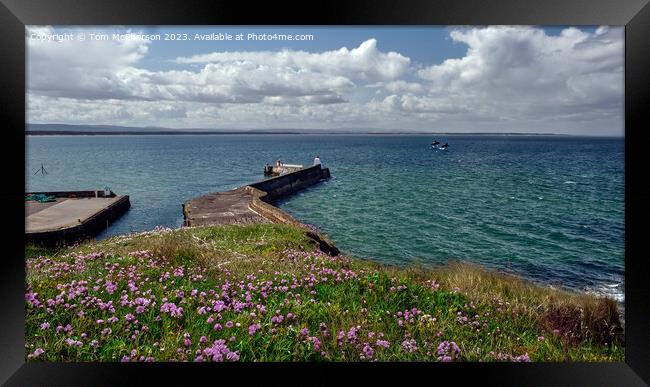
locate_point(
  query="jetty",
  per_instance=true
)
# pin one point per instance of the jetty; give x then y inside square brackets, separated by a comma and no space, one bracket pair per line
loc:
[253,203]
[70,216]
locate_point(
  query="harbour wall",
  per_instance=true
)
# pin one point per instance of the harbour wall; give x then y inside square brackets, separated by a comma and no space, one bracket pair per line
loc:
[278,187]
[74,194]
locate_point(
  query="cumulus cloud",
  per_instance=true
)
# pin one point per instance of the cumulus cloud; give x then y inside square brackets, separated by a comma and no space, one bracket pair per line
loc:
[364,62]
[72,69]
[88,69]
[531,74]
[510,79]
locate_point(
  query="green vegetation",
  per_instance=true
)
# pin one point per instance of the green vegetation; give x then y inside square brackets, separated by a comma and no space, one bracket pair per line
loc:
[265,293]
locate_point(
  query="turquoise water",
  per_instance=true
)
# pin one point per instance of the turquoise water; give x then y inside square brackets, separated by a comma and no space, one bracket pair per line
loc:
[549,208]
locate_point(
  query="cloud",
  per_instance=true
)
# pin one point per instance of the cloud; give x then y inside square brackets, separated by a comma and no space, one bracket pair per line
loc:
[365,62]
[510,79]
[88,69]
[65,70]
[524,73]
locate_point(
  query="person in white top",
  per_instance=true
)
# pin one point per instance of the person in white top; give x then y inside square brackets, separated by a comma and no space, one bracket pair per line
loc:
[317,160]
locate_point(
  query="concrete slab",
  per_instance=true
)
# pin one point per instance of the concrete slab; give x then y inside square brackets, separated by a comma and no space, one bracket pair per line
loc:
[230,207]
[32,206]
[65,213]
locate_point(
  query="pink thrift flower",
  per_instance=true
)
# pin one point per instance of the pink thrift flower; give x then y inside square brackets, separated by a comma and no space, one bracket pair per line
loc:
[253,328]
[37,352]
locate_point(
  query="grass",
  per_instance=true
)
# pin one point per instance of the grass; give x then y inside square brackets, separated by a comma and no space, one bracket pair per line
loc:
[265,293]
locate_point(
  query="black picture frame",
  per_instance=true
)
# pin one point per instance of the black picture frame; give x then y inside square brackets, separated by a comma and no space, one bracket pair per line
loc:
[633,14]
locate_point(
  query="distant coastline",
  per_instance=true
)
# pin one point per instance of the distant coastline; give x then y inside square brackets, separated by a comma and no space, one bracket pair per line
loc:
[115,130]
[180,133]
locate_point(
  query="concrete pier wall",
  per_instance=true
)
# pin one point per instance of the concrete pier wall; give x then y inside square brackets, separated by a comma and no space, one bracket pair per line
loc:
[74,194]
[284,185]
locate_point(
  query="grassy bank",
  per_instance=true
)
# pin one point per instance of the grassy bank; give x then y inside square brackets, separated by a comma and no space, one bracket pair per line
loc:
[265,293]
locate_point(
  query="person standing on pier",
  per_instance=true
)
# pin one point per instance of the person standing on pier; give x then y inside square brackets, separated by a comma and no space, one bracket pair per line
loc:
[317,160]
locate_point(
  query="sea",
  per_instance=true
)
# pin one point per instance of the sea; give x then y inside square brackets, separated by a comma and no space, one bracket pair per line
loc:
[548,208]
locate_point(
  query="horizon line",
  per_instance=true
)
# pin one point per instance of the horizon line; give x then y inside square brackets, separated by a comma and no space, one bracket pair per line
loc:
[149,130]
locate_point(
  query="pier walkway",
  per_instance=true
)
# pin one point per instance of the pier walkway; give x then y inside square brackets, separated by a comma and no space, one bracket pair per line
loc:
[64,213]
[229,207]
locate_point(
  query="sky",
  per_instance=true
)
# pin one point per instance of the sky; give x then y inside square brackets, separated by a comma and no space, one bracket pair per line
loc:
[524,79]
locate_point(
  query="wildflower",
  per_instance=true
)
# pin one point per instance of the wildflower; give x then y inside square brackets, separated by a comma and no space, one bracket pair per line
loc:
[129,317]
[253,328]
[172,309]
[110,287]
[383,343]
[522,358]
[367,350]
[304,332]
[45,325]
[409,345]
[219,306]
[448,351]
[37,352]
[352,334]
[217,327]
[316,343]
[229,324]
[540,338]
